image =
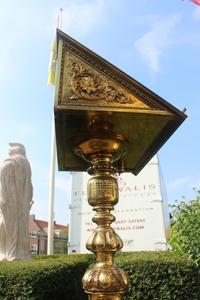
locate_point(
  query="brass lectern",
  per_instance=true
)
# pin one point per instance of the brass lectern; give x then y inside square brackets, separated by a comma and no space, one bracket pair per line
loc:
[106,123]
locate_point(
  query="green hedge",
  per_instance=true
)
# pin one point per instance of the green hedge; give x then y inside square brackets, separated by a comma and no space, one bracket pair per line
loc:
[154,275]
[47,277]
[160,276]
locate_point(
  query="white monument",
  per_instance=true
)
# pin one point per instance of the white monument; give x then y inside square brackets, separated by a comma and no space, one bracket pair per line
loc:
[15,202]
[141,214]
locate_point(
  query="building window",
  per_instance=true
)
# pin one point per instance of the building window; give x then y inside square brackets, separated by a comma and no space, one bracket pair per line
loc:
[34,233]
[57,233]
[34,248]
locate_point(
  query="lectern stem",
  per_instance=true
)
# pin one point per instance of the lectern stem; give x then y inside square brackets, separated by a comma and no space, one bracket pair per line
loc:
[104,281]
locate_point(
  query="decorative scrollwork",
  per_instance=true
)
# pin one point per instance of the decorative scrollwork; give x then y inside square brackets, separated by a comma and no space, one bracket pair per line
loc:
[86,85]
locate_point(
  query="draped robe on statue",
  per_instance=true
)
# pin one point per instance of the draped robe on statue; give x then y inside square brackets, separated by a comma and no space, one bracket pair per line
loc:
[15,203]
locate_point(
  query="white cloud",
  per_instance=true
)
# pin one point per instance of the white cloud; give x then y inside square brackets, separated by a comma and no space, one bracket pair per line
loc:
[25,129]
[185,183]
[152,45]
[183,187]
[62,183]
[39,209]
[30,22]
[180,182]
[196,183]
[41,198]
[80,19]
[22,23]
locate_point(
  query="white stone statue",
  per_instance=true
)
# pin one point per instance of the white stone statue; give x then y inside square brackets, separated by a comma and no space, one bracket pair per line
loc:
[16,193]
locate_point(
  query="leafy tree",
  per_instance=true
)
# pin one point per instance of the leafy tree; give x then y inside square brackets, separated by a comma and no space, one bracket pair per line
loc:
[184,232]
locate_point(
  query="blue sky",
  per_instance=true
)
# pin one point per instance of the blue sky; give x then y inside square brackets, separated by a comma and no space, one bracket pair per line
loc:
[156,42]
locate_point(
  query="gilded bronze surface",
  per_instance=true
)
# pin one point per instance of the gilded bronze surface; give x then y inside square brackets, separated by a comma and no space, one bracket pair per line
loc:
[106,123]
[88,84]
[83,84]
[104,280]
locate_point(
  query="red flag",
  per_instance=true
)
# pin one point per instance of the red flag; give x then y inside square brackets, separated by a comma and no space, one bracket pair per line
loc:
[196,1]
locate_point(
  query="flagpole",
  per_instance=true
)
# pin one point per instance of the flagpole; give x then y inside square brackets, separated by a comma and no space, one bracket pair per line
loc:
[50,240]
[50,247]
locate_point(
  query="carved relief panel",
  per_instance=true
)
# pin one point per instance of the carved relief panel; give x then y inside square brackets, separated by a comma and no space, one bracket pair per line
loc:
[84,85]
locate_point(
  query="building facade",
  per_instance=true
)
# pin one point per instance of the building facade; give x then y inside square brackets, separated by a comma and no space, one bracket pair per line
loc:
[141,214]
[38,230]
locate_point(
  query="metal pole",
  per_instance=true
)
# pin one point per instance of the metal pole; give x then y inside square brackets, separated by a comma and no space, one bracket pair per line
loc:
[51,193]
[38,243]
[52,174]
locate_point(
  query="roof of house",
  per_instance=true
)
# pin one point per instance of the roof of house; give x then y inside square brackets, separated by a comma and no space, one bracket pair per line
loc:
[42,225]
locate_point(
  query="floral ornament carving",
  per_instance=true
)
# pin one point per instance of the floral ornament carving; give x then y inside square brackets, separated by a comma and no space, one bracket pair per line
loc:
[86,85]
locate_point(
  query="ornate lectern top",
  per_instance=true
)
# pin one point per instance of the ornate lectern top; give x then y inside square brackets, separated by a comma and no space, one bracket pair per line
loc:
[86,83]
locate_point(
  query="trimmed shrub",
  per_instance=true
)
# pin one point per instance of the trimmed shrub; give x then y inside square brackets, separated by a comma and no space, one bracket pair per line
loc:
[160,275]
[47,277]
[153,275]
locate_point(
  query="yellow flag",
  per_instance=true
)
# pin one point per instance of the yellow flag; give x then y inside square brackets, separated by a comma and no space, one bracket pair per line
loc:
[52,64]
